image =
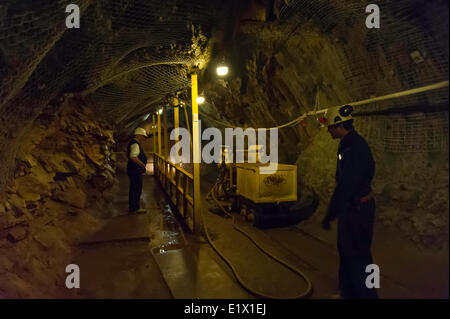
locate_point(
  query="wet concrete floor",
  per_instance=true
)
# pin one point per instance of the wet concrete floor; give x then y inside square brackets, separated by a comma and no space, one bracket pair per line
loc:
[117,261]
[153,256]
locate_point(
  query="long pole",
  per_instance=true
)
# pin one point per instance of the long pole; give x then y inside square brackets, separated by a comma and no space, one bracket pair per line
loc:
[176,120]
[154,133]
[159,134]
[187,122]
[396,95]
[196,154]
[166,151]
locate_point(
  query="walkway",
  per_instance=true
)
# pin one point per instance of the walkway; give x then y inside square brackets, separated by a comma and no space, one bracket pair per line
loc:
[153,256]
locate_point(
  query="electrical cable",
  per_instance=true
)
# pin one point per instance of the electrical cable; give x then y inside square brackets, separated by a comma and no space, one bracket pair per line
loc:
[309,287]
[422,89]
[217,121]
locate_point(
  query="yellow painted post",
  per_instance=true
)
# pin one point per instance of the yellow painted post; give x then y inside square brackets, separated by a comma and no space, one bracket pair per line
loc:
[166,151]
[154,133]
[159,135]
[187,122]
[196,154]
[176,120]
[230,171]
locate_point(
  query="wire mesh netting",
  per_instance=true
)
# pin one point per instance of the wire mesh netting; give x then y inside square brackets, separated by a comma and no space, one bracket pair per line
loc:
[129,54]
[412,39]
[411,45]
[412,133]
[142,45]
[410,124]
[411,51]
[126,56]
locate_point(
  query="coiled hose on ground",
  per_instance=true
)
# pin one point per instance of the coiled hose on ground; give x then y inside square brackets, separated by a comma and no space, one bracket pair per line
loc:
[304,294]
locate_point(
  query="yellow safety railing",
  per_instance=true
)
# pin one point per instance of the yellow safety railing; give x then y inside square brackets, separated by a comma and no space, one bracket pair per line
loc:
[178,184]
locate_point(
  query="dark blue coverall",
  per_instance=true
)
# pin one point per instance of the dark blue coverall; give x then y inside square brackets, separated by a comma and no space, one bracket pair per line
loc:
[134,172]
[354,172]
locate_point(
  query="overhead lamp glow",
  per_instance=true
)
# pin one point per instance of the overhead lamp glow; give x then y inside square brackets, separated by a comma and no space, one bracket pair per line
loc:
[160,111]
[222,70]
[200,99]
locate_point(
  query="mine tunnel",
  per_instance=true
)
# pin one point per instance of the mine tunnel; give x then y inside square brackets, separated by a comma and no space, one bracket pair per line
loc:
[276,134]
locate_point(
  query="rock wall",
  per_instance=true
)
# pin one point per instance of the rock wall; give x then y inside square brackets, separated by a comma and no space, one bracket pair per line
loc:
[54,199]
[287,76]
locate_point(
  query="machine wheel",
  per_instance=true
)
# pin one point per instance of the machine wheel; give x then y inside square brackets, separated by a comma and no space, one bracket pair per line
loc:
[251,216]
[235,204]
[243,211]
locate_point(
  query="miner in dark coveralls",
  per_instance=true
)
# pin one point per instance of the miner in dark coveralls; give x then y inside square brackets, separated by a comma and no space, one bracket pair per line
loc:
[352,204]
[136,167]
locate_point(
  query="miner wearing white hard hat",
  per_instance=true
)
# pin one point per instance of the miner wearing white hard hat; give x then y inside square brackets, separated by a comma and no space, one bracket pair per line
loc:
[136,167]
[352,204]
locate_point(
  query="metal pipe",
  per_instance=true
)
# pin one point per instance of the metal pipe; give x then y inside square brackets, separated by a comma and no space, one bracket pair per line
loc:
[196,154]
[154,133]
[159,134]
[176,120]
[166,151]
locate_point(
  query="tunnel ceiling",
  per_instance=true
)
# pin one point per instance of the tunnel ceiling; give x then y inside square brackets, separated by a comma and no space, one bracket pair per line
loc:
[128,55]
[125,56]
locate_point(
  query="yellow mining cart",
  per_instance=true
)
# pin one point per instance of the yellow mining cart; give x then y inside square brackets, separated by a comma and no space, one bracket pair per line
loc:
[279,185]
[263,199]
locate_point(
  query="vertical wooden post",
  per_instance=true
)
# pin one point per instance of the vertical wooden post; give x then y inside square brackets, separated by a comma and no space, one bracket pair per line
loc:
[176,120]
[166,151]
[159,135]
[196,154]
[154,135]
[188,126]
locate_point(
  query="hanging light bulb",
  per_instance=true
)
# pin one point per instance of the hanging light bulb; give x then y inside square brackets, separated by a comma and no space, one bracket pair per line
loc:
[200,99]
[222,70]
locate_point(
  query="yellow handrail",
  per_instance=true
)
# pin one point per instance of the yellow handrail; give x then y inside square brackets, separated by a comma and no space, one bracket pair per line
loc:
[176,167]
[176,183]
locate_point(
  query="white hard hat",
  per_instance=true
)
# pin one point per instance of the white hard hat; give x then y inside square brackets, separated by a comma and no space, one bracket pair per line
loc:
[338,115]
[140,131]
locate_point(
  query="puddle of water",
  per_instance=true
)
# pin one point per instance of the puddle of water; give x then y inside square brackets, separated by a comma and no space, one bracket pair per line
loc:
[169,236]
[161,250]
